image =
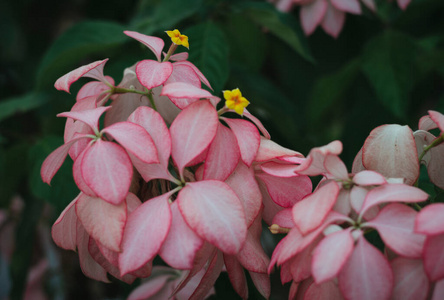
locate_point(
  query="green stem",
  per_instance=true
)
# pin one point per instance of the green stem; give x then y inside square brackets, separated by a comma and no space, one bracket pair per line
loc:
[119,90]
[150,97]
[223,110]
[170,52]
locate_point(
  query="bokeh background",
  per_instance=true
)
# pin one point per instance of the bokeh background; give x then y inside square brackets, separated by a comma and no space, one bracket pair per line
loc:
[385,67]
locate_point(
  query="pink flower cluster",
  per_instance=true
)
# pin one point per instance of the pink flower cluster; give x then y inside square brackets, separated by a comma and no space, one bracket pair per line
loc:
[164,173]
[329,14]
[169,175]
[326,254]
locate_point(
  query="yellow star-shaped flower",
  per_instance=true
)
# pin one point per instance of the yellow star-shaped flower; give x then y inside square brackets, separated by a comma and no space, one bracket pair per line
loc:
[235,101]
[177,38]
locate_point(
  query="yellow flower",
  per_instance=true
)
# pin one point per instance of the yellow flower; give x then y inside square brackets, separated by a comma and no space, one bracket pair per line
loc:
[235,101]
[177,38]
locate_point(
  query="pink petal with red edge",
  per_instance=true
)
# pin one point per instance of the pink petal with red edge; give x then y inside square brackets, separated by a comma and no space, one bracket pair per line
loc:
[107,170]
[314,164]
[89,116]
[192,132]
[366,178]
[284,218]
[434,167]
[433,256]
[331,254]
[312,210]
[367,274]
[135,139]
[403,3]
[343,202]
[326,290]
[209,278]
[183,73]
[262,283]
[78,178]
[391,151]
[258,123]
[150,288]
[178,56]
[350,6]
[64,229]
[55,160]
[88,265]
[146,230]
[300,265]
[312,14]
[426,123]
[197,71]
[215,213]
[278,169]
[286,191]
[152,73]
[247,136]
[155,44]
[153,123]
[223,155]
[411,282]
[294,242]
[422,140]
[438,292]
[181,243]
[183,90]
[334,165]
[103,221]
[269,150]
[395,225]
[236,275]
[93,70]
[392,193]
[123,106]
[333,21]
[430,219]
[245,186]
[294,290]
[93,88]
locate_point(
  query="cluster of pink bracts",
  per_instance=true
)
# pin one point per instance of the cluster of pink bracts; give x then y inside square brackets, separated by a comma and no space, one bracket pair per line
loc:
[170,175]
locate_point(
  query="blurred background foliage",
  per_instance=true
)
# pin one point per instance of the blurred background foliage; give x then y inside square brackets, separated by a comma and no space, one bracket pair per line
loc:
[385,67]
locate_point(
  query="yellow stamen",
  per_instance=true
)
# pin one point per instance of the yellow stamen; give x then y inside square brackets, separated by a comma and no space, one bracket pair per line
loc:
[275,229]
[178,38]
[235,101]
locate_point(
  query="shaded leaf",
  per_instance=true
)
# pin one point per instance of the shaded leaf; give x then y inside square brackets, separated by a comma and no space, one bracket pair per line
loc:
[21,104]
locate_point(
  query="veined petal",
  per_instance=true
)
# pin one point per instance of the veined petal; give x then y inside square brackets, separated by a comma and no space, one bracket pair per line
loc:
[107,170]
[312,14]
[392,193]
[152,73]
[367,274]
[333,21]
[269,150]
[336,167]
[155,44]
[411,282]
[181,243]
[196,70]
[433,257]
[215,213]
[395,225]
[145,231]
[89,116]
[310,212]
[351,6]
[135,139]
[391,151]
[55,160]
[179,90]
[223,155]
[192,132]
[247,137]
[331,254]
[103,221]
[93,70]
[430,219]
[236,275]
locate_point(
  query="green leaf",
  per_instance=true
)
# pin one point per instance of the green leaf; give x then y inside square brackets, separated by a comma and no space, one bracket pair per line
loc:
[282,25]
[209,52]
[164,15]
[329,90]
[81,40]
[63,188]
[11,106]
[388,61]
